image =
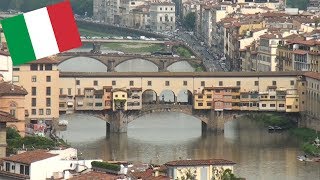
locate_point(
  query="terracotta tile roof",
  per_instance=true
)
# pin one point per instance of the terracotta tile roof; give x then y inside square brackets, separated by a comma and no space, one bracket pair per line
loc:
[200,162]
[304,42]
[6,117]
[300,52]
[143,175]
[29,157]
[44,61]
[313,75]
[294,36]
[8,89]
[273,14]
[95,175]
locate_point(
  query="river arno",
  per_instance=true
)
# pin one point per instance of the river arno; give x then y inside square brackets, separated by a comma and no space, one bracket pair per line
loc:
[167,136]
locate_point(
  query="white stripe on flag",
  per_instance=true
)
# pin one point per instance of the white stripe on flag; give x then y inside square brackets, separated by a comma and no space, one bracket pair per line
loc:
[41,33]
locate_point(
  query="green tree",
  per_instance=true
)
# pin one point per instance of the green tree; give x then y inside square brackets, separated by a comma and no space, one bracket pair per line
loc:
[189,21]
[301,4]
[12,134]
[82,6]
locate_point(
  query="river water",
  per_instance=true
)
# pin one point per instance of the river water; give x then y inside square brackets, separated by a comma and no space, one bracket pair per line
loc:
[162,137]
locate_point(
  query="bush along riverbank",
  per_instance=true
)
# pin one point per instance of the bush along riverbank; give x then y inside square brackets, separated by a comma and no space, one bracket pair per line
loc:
[16,142]
[272,119]
[309,138]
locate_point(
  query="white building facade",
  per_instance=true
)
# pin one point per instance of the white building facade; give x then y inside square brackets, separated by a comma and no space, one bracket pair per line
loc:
[6,66]
[162,16]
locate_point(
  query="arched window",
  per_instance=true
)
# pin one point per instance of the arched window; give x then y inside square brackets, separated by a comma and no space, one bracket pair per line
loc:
[13,107]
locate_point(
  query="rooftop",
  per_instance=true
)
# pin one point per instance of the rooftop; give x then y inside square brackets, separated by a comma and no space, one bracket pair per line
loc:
[200,162]
[313,75]
[8,89]
[29,157]
[46,60]
[94,175]
[6,117]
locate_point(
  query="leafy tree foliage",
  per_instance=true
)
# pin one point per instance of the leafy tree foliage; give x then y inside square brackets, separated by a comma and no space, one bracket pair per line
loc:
[189,21]
[301,4]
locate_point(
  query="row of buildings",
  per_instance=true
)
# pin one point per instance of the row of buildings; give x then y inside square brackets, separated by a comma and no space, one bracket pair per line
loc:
[64,164]
[148,15]
[258,35]
[38,91]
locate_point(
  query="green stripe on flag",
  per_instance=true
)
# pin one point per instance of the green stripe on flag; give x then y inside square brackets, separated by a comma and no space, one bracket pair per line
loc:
[18,39]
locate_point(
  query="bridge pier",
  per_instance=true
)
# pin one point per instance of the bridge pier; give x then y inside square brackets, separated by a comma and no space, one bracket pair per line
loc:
[163,66]
[118,123]
[215,122]
[110,65]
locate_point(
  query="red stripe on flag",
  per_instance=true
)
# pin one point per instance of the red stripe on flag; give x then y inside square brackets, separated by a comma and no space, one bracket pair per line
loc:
[64,26]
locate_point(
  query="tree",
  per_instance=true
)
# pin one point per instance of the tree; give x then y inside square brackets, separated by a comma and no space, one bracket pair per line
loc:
[82,6]
[301,4]
[189,21]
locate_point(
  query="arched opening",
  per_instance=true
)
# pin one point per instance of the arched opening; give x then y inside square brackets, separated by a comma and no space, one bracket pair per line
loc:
[82,64]
[167,97]
[185,97]
[149,96]
[137,65]
[181,66]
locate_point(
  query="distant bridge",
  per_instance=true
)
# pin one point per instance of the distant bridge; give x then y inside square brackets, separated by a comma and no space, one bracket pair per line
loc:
[113,60]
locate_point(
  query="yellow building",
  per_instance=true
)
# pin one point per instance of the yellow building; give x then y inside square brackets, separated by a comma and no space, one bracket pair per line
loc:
[119,99]
[4,119]
[199,169]
[292,100]
[40,78]
[12,101]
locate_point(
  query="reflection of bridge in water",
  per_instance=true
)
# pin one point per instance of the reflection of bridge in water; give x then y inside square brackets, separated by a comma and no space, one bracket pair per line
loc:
[210,120]
[113,60]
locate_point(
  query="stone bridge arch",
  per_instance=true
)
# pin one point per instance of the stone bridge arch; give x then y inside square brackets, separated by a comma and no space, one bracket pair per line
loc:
[96,58]
[189,61]
[158,64]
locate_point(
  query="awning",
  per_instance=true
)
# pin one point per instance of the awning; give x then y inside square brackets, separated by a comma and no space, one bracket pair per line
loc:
[80,103]
[70,103]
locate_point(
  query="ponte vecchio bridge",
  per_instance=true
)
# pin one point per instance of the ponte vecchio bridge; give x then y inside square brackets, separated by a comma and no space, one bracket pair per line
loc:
[113,60]
[212,97]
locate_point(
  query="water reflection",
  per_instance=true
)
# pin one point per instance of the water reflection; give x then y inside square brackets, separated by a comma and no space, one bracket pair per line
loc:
[163,137]
[82,64]
[137,65]
[181,66]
